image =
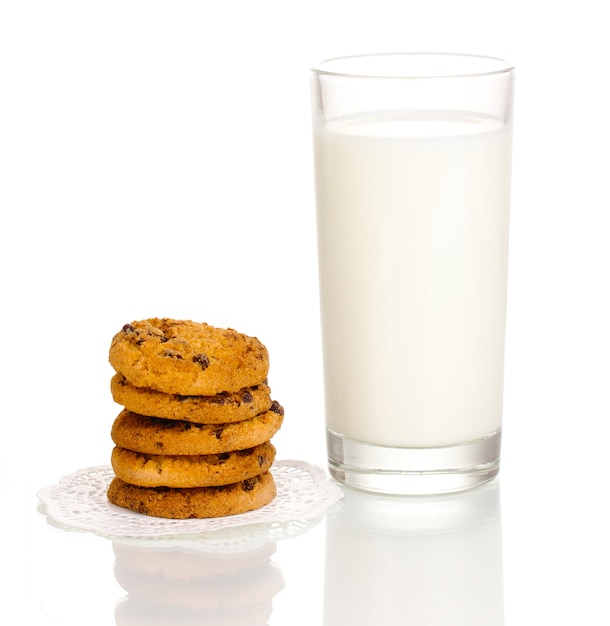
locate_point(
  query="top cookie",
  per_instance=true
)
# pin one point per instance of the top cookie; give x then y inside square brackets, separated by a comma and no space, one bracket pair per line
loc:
[188,358]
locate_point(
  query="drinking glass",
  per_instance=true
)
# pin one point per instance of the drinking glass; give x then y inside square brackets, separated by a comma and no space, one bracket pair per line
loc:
[412,159]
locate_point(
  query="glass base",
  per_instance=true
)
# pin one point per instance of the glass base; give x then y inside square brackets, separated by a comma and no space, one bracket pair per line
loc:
[413,471]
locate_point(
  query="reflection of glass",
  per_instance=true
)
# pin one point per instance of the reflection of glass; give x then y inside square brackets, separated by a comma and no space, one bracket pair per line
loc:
[426,561]
[181,585]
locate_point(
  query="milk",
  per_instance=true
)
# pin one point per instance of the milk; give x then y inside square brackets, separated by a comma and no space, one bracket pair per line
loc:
[413,229]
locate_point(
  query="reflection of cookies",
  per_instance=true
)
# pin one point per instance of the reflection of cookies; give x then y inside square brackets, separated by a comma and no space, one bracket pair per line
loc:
[202,470]
[152,435]
[177,585]
[188,358]
[195,502]
[216,593]
[221,408]
[181,564]
[133,611]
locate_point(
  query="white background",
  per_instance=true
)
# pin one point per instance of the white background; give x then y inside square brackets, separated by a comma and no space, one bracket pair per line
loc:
[155,160]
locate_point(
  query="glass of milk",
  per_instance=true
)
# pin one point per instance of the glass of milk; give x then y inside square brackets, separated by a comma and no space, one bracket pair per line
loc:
[412,167]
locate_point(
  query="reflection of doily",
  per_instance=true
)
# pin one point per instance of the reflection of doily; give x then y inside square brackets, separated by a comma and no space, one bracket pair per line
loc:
[79,502]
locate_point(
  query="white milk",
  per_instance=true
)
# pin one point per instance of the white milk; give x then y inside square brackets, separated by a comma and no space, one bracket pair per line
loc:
[413,236]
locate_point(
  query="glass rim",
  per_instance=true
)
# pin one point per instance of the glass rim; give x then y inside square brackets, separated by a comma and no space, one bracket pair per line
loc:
[493,65]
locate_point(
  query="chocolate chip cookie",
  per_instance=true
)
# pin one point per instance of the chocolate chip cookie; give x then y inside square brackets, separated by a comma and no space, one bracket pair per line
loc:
[221,408]
[205,470]
[153,435]
[188,358]
[196,502]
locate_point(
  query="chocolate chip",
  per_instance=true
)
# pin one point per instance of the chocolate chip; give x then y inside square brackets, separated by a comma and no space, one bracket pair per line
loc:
[246,396]
[218,432]
[261,460]
[249,484]
[221,398]
[172,354]
[202,359]
[180,398]
[276,407]
[133,334]
[160,422]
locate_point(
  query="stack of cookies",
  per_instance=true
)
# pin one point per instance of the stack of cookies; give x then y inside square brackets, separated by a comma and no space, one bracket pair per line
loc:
[193,439]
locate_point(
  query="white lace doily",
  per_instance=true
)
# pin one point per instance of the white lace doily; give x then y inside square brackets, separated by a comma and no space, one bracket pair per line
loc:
[79,502]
